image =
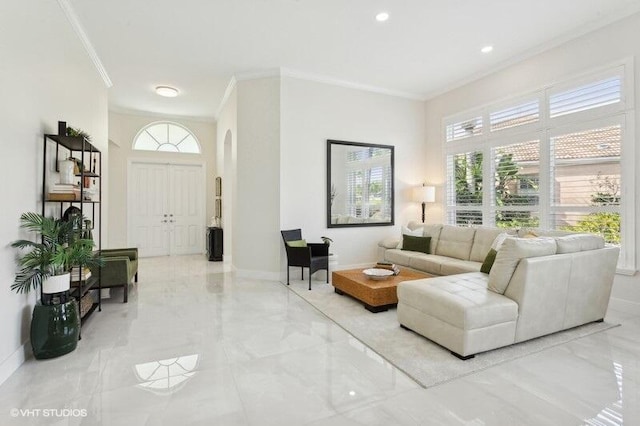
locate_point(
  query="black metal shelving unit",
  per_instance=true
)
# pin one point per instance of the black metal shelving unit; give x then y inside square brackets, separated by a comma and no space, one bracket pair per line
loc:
[87,152]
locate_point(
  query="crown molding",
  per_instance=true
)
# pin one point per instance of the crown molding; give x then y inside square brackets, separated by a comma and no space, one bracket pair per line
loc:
[258,74]
[318,78]
[72,17]
[227,93]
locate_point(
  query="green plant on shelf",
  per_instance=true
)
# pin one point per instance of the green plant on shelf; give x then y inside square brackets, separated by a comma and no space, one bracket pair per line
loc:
[61,247]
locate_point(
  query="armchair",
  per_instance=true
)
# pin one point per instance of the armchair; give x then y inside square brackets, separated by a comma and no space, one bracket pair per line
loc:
[120,267]
[314,256]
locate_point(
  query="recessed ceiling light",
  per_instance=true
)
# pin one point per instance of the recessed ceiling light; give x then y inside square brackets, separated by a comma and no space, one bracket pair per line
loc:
[382,16]
[169,92]
[486,49]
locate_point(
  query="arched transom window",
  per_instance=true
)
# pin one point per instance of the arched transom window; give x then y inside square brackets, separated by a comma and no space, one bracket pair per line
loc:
[167,137]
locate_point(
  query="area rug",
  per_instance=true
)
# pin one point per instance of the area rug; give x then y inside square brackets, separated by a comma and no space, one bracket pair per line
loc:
[426,362]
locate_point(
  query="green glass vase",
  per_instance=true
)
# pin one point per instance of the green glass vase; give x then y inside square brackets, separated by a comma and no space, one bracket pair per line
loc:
[54,329]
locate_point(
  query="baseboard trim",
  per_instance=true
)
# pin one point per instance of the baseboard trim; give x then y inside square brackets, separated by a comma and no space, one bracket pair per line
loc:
[623,305]
[14,361]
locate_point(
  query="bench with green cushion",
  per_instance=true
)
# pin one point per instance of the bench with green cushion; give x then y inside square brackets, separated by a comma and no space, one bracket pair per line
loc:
[120,267]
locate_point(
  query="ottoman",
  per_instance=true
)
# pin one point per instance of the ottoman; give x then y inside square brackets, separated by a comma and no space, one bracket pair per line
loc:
[458,312]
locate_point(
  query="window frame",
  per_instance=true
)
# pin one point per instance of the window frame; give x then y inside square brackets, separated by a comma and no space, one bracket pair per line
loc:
[168,123]
[544,129]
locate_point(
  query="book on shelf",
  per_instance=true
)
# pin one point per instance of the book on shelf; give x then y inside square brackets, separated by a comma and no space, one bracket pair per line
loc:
[77,275]
[64,186]
[60,188]
[63,196]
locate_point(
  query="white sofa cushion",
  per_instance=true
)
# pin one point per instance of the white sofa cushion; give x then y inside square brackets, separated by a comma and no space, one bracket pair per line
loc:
[523,232]
[512,250]
[460,300]
[579,242]
[429,263]
[482,242]
[400,257]
[457,266]
[455,242]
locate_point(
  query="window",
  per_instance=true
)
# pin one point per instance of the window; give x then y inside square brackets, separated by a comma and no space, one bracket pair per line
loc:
[518,115]
[466,188]
[585,176]
[516,166]
[551,159]
[591,95]
[166,137]
[464,129]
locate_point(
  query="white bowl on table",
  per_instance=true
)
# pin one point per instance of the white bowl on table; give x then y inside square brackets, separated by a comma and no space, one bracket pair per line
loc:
[377,273]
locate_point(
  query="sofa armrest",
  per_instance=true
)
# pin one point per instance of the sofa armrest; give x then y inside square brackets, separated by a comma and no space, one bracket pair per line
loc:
[131,253]
[562,290]
[389,243]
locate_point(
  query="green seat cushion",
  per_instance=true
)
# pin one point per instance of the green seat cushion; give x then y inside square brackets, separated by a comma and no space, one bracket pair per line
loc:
[297,243]
[412,243]
[488,261]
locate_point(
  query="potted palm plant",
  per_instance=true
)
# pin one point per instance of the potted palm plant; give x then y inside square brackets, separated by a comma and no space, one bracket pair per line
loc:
[47,264]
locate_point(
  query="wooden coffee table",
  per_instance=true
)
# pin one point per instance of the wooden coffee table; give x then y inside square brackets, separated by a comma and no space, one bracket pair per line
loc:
[377,296]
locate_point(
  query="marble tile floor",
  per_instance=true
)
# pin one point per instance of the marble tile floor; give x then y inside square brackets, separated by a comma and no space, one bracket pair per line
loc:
[197,345]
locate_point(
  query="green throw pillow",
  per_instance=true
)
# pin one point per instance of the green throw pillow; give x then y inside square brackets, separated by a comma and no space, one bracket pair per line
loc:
[297,243]
[488,261]
[421,244]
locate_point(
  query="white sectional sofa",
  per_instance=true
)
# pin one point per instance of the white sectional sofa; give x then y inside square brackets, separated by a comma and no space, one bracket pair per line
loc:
[536,286]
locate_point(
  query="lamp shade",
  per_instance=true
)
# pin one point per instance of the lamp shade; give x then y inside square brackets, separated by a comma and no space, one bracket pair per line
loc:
[425,194]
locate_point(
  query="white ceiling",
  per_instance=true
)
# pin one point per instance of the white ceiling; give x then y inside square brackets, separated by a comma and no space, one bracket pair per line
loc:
[426,47]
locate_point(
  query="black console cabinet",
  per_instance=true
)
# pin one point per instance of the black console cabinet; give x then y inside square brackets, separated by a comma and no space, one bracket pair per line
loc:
[214,243]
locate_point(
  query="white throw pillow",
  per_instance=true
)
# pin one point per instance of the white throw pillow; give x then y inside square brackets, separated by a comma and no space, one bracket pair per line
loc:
[497,243]
[414,233]
[509,255]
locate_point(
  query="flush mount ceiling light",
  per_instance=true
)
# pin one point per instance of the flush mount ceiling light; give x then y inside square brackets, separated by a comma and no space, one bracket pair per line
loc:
[486,49]
[166,91]
[382,16]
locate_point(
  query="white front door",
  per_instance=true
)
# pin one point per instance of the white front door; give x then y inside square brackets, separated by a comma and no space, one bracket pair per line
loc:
[186,209]
[166,209]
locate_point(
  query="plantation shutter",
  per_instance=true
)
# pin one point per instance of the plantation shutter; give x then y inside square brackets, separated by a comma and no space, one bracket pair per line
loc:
[515,193]
[594,94]
[464,129]
[513,116]
[464,196]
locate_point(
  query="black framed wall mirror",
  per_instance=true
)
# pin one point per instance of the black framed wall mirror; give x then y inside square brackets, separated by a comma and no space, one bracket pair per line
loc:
[360,184]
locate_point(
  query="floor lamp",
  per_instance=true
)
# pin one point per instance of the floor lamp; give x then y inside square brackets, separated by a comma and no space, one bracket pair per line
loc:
[425,194]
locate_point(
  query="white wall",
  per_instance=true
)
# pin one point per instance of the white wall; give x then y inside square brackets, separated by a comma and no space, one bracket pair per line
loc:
[122,130]
[314,112]
[613,43]
[45,76]
[226,162]
[256,215]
